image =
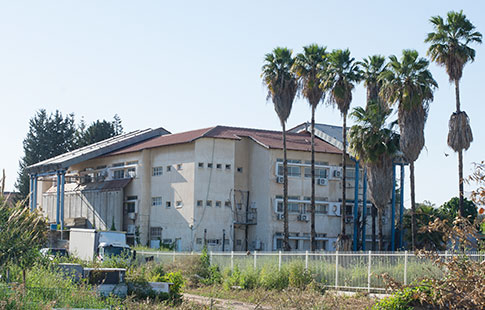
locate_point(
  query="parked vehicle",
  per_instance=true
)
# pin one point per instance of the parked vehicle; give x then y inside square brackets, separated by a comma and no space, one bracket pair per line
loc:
[51,253]
[90,244]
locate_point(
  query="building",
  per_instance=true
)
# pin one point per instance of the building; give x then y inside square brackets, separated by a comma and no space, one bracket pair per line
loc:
[219,186]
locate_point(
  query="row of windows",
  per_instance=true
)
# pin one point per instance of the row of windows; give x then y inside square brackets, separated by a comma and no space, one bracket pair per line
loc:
[157,202]
[209,203]
[295,171]
[211,165]
[157,171]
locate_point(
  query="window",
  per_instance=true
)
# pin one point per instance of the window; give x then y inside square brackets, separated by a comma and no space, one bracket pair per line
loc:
[119,174]
[156,201]
[208,203]
[156,232]
[179,166]
[178,204]
[321,208]
[157,171]
[218,204]
[320,173]
[228,167]
[227,203]
[130,207]
[240,169]
[238,242]
[219,166]
[209,165]
[293,171]
[118,165]
[132,198]
[201,165]
[199,203]
[169,168]
[213,241]
[130,163]
[198,240]
[100,167]
[168,204]
[293,207]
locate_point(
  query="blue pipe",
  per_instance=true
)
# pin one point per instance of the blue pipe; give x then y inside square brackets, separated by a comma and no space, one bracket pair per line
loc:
[393,208]
[35,193]
[356,204]
[31,201]
[58,202]
[63,181]
[364,208]
[401,208]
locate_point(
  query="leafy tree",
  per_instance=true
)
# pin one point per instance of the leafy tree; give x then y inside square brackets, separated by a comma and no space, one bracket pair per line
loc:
[450,49]
[22,233]
[99,131]
[375,144]
[410,84]
[309,67]
[425,214]
[49,135]
[282,87]
[450,209]
[343,73]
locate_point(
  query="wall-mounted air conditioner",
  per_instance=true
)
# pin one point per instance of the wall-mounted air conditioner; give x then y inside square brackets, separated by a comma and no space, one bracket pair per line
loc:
[303,217]
[280,216]
[322,182]
[279,180]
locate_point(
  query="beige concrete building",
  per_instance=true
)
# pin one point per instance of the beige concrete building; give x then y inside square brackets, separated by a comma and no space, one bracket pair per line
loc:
[219,186]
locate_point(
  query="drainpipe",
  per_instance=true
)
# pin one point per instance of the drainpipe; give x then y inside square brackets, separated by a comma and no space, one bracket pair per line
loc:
[364,209]
[393,209]
[401,208]
[356,205]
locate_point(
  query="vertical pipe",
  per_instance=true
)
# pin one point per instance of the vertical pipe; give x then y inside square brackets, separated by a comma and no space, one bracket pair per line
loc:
[31,191]
[356,205]
[368,271]
[58,202]
[401,208]
[393,209]
[35,192]
[364,209]
[63,182]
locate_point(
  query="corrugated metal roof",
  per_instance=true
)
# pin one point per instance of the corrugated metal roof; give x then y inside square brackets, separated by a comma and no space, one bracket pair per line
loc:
[68,159]
[329,133]
[267,138]
[93,186]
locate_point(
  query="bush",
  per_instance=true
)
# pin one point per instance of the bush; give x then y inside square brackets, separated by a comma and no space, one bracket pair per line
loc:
[405,299]
[271,278]
[298,276]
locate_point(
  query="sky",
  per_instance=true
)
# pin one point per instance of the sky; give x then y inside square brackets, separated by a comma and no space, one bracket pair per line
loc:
[183,65]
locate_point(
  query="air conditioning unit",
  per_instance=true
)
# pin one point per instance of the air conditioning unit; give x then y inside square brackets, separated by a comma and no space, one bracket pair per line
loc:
[322,182]
[303,217]
[280,216]
[335,209]
[132,174]
[132,215]
[337,173]
[279,180]
[130,229]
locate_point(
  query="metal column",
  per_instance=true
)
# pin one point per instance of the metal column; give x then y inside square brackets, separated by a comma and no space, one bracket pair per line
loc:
[401,208]
[63,181]
[35,192]
[356,205]
[58,201]
[364,209]
[393,208]
[31,195]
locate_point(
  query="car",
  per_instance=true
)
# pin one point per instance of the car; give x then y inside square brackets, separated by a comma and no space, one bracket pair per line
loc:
[54,252]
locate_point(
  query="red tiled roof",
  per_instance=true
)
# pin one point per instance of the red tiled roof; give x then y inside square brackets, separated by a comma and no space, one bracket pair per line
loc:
[267,138]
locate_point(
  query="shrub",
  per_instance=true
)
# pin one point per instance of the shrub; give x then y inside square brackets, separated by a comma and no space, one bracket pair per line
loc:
[272,278]
[298,276]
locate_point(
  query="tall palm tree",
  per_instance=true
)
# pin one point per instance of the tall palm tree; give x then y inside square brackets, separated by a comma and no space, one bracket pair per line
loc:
[339,80]
[449,48]
[309,67]
[409,83]
[375,144]
[282,87]
[372,67]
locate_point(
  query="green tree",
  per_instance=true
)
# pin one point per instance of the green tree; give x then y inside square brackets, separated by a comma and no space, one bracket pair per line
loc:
[372,68]
[375,144]
[410,84]
[340,80]
[450,49]
[309,67]
[424,215]
[450,210]
[282,87]
[99,131]
[22,233]
[49,135]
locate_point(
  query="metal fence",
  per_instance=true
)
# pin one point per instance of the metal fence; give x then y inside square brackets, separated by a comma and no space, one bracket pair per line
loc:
[339,270]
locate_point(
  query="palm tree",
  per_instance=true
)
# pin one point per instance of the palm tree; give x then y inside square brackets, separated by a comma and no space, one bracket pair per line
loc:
[309,67]
[339,80]
[409,83]
[374,145]
[372,67]
[282,87]
[449,48]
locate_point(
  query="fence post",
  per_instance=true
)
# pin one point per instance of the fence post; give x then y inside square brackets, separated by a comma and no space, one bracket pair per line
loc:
[232,260]
[279,261]
[210,258]
[336,269]
[405,267]
[255,258]
[306,260]
[368,271]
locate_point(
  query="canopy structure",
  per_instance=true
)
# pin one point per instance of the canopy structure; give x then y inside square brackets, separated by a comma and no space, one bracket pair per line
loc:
[58,165]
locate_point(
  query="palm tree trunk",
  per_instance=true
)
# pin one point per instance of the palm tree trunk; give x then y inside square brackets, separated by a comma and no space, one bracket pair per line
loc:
[286,235]
[312,219]
[379,220]
[374,239]
[344,179]
[413,206]
[460,154]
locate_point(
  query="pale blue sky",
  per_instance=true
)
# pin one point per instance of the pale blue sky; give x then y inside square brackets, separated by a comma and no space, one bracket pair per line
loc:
[184,65]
